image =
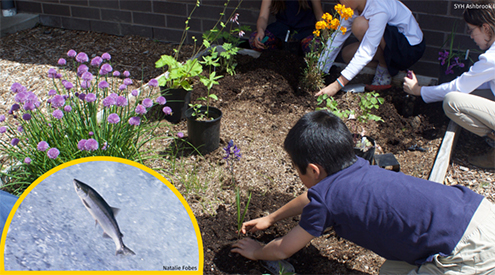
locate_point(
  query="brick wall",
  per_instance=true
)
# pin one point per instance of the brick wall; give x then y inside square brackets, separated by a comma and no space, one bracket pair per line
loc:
[164,20]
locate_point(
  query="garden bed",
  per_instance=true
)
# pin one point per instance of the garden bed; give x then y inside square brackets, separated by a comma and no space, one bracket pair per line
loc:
[259,104]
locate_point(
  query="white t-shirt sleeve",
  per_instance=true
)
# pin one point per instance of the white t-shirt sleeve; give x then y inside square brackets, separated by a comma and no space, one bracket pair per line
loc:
[333,46]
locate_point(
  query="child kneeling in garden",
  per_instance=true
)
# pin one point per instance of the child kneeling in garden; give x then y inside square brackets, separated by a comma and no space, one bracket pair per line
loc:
[419,226]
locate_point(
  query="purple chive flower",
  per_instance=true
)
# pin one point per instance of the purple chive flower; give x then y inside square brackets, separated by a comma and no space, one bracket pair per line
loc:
[82,57]
[26,116]
[20,97]
[53,153]
[167,110]
[232,152]
[28,106]
[68,85]
[81,96]
[52,73]
[121,101]
[52,92]
[3,129]
[106,68]
[71,53]
[103,84]
[14,141]
[90,97]
[106,56]
[134,120]
[161,100]
[147,102]
[116,73]
[113,95]
[127,81]
[113,118]
[96,61]
[180,135]
[27,160]
[85,84]
[104,146]
[91,133]
[16,87]
[127,73]
[20,129]
[140,109]
[91,145]
[62,62]
[58,101]
[122,87]
[2,118]
[82,69]
[14,108]
[58,114]
[87,76]
[81,144]
[58,75]
[135,93]
[109,101]
[153,83]
[67,108]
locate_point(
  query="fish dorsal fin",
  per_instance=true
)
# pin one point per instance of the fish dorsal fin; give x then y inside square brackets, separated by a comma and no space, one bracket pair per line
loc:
[86,204]
[105,235]
[115,211]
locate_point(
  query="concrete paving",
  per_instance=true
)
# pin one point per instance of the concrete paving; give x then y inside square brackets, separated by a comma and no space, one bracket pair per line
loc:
[18,22]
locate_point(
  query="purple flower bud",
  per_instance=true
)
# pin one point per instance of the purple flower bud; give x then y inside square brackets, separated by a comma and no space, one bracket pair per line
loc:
[2,118]
[15,107]
[180,135]
[16,87]
[27,160]
[161,100]
[114,96]
[135,93]
[28,106]
[14,141]
[122,87]
[147,102]
[67,108]
[52,92]
[3,129]
[81,96]
[127,81]
[96,61]
[134,120]
[121,101]
[20,129]
[105,68]
[109,101]
[87,76]
[103,84]
[20,97]
[85,84]
[58,114]
[116,73]
[68,85]
[104,146]
[153,83]
[127,73]
[140,109]
[58,101]
[71,53]
[80,144]
[91,145]
[113,118]
[90,97]
[53,153]
[106,56]
[91,133]
[167,110]
[52,73]
[82,57]
[62,62]
[82,69]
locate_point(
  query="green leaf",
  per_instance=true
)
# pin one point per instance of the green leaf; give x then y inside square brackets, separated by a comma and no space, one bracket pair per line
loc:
[213,96]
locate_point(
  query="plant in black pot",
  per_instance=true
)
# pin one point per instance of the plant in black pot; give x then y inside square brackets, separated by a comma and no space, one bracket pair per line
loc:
[453,61]
[203,121]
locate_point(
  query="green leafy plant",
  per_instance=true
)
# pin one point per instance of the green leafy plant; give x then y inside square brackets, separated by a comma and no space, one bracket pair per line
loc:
[332,105]
[85,115]
[369,101]
[208,82]
[233,154]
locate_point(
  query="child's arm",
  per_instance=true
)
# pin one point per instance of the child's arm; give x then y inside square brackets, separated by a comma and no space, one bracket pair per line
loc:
[262,23]
[292,208]
[278,249]
[317,9]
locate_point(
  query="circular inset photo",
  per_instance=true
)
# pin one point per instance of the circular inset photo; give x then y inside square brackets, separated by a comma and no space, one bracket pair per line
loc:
[102,213]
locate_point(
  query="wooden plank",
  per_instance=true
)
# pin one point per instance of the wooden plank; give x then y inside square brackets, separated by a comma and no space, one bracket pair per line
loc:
[444,153]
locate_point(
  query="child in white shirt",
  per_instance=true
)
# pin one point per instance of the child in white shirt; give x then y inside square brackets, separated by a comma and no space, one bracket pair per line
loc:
[468,100]
[388,34]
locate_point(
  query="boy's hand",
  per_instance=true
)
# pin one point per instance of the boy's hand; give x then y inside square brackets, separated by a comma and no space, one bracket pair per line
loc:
[247,247]
[256,224]
[410,84]
[329,90]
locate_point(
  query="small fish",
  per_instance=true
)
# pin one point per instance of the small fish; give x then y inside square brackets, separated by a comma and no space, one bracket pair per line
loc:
[103,214]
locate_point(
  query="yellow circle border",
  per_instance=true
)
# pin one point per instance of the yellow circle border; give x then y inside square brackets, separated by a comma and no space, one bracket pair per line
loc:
[111,159]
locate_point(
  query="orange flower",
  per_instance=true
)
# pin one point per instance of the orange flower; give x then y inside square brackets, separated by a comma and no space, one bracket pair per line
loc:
[334,24]
[343,30]
[320,25]
[327,17]
[347,13]
[316,33]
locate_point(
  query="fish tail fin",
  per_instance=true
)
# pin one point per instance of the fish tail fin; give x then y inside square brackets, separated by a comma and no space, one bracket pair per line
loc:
[125,251]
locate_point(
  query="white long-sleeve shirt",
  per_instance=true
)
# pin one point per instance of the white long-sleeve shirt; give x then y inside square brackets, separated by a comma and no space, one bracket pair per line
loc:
[379,13]
[480,76]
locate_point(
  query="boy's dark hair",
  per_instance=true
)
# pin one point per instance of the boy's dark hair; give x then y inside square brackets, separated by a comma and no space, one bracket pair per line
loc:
[483,11]
[320,138]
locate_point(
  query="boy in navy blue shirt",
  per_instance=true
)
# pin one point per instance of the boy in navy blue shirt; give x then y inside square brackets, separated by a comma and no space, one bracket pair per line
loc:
[417,225]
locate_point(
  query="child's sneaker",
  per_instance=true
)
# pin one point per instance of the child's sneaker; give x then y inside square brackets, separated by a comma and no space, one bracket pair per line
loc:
[381,81]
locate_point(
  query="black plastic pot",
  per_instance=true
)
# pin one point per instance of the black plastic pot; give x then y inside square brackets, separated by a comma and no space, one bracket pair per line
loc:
[178,100]
[370,153]
[204,134]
